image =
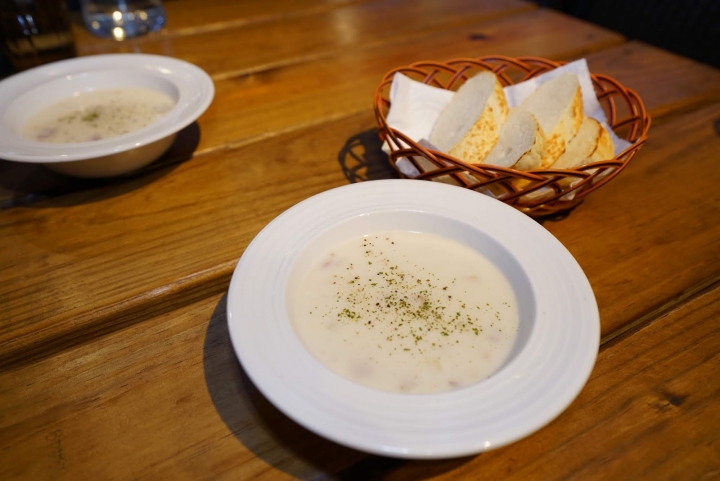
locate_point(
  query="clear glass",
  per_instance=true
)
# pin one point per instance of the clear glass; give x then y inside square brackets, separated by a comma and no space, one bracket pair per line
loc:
[121,19]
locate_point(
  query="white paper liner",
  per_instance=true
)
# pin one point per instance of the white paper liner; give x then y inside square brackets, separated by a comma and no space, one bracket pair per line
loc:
[415,106]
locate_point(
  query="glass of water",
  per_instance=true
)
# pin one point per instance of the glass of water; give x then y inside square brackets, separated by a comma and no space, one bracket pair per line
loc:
[121,19]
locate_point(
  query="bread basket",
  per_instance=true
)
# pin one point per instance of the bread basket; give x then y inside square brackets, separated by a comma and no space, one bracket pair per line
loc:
[538,193]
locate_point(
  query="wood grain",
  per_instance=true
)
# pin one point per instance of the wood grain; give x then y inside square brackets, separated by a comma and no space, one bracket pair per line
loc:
[649,238]
[121,245]
[667,83]
[188,17]
[167,399]
[104,254]
[274,100]
[274,97]
[287,39]
[115,360]
[255,99]
[648,412]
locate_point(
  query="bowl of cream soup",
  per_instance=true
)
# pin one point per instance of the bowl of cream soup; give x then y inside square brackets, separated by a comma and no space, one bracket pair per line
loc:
[413,319]
[101,115]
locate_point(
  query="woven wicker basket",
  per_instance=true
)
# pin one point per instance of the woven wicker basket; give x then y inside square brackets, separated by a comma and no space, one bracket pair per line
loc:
[535,192]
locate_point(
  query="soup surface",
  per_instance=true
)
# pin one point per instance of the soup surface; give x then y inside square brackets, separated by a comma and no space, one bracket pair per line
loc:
[405,312]
[97,115]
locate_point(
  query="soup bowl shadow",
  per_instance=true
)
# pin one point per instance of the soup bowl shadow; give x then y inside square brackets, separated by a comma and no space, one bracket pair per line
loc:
[361,159]
[275,438]
[34,185]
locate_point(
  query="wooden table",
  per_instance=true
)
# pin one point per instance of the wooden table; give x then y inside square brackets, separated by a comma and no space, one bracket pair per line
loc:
[115,361]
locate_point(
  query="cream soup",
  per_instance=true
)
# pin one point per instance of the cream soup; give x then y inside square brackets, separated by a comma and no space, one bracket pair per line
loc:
[97,115]
[406,312]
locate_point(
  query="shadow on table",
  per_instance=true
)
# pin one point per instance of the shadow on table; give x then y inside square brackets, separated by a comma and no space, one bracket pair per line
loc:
[362,158]
[34,185]
[275,438]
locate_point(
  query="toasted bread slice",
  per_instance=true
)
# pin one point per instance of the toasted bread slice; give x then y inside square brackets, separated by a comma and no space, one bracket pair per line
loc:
[469,125]
[557,106]
[521,142]
[605,149]
[591,143]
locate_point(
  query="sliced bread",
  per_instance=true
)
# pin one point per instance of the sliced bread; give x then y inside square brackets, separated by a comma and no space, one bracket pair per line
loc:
[521,142]
[557,106]
[605,150]
[591,143]
[469,126]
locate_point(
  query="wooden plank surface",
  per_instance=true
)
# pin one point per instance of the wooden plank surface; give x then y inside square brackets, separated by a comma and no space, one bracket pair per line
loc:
[650,237]
[138,248]
[115,360]
[667,83]
[254,105]
[167,399]
[113,402]
[267,103]
[287,39]
[648,412]
[105,255]
[255,102]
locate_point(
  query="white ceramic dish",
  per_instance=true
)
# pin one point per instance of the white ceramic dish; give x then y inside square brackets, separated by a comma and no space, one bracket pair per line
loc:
[24,94]
[551,361]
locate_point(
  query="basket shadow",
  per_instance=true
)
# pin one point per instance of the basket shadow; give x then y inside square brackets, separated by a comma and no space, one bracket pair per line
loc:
[555,217]
[275,438]
[362,158]
[254,421]
[33,185]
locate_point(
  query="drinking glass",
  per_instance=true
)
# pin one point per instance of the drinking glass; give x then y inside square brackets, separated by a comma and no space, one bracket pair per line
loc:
[121,19]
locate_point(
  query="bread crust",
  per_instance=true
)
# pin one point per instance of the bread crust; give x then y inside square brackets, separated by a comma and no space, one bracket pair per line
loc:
[604,149]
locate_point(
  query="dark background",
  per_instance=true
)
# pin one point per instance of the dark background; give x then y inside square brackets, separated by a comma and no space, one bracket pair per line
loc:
[688,27]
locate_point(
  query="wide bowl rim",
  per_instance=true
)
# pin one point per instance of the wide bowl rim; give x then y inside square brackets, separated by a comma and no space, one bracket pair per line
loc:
[520,399]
